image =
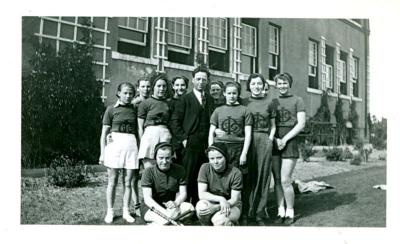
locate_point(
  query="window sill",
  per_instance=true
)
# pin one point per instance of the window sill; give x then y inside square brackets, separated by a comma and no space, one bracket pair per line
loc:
[315,91]
[127,57]
[357,99]
[345,97]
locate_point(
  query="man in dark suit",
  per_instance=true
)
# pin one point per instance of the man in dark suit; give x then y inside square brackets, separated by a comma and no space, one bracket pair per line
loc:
[190,123]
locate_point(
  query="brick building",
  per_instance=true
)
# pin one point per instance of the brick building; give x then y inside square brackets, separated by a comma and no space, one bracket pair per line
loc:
[321,54]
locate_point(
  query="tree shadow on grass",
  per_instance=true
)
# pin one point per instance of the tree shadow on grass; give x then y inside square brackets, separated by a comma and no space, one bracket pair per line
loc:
[313,203]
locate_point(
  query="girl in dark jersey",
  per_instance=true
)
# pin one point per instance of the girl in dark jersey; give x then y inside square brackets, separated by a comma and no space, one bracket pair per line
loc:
[290,120]
[153,120]
[120,119]
[260,152]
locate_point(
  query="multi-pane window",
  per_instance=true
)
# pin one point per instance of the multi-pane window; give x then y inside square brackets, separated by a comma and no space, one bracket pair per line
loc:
[312,64]
[274,51]
[133,36]
[180,32]
[179,40]
[249,49]
[218,33]
[218,55]
[62,31]
[342,73]
[133,29]
[354,72]
[329,67]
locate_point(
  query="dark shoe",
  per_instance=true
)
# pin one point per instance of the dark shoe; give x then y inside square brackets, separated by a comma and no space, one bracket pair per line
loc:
[288,221]
[279,220]
[260,221]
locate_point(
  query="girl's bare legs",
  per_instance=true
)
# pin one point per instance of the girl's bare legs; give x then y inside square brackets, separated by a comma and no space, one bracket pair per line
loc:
[110,194]
[288,165]
[135,191]
[276,172]
[127,193]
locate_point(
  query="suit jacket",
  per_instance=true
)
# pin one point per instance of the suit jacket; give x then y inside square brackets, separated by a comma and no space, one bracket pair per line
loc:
[185,117]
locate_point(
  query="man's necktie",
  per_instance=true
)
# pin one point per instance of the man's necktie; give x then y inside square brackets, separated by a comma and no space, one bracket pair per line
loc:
[203,99]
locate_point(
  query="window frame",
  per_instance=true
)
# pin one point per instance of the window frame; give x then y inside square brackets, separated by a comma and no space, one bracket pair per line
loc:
[176,47]
[127,27]
[274,54]
[313,66]
[222,37]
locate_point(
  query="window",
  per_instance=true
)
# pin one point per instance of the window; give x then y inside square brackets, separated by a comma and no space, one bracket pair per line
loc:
[249,49]
[218,44]
[312,64]
[61,31]
[180,33]
[133,36]
[354,70]
[274,51]
[179,39]
[329,67]
[218,33]
[342,73]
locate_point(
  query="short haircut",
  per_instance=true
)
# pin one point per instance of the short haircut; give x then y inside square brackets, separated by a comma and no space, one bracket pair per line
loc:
[253,76]
[233,84]
[141,79]
[127,84]
[184,78]
[284,76]
[201,68]
[217,82]
[157,77]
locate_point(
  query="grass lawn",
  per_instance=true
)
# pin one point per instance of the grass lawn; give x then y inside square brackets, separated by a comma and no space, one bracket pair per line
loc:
[353,202]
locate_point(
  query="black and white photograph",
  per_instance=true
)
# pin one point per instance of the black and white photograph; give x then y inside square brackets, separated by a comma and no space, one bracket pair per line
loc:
[229,125]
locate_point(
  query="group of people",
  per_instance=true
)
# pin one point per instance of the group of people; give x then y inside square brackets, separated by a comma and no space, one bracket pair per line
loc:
[202,151]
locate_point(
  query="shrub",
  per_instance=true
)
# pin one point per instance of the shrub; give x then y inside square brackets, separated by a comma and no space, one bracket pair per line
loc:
[306,150]
[347,153]
[382,157]
[334,154]
[61,105]
[356,160]
[66,172]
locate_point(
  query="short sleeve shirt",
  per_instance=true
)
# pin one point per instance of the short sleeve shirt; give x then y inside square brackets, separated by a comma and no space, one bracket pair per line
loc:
[121,118]
[287,108]
[154,111]
[221,184]
[262,111]
[232,119]
[164,184]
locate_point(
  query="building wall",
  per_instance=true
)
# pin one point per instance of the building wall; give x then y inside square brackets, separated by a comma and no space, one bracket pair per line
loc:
[294,37]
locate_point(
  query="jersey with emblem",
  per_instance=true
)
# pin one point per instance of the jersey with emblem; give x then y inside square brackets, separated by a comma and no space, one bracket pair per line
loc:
[287,108]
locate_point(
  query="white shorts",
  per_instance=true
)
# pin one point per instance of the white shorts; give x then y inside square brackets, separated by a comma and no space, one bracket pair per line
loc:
[151,136]
[121,153]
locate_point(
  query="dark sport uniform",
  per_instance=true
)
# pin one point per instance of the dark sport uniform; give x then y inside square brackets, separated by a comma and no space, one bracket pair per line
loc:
[164,184]
[260,154]
[122,152]
[232,119]
[287,108]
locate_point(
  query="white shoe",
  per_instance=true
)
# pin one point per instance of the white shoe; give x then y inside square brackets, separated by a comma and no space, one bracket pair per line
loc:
[109,217]
[127,217]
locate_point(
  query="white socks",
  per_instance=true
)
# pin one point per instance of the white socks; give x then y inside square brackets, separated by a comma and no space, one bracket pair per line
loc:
[281,211]
[127,216]
[109,216]
[289,213]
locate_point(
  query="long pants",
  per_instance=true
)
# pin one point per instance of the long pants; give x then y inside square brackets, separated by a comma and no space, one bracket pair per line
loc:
[260,158]
[194,156]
